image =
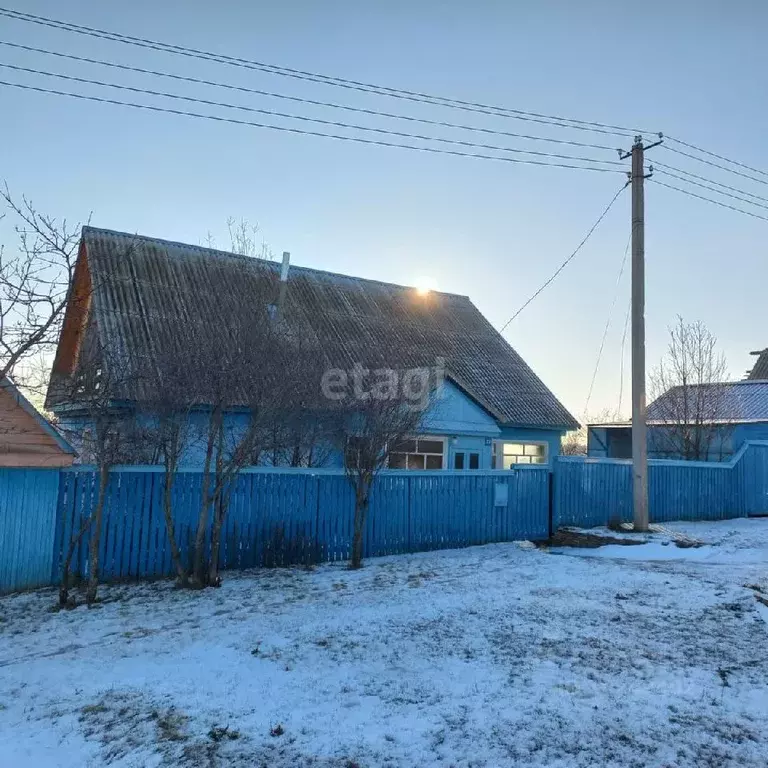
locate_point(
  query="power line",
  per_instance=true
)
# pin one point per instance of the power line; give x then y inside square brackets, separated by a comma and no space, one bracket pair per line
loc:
[302,100]
[607,324]
[563,122]
[657,164]
[623,345]
[712,189]
[709,200]
[304,132]
[568,260]
[715,155]
[714,165]
[305,118]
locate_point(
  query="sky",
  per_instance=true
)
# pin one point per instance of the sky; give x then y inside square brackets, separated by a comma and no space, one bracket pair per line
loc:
[494,231]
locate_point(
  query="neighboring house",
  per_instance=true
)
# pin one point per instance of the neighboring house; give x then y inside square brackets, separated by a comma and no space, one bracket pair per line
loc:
[27,438]
[741,415]
[760,368]
[132,294]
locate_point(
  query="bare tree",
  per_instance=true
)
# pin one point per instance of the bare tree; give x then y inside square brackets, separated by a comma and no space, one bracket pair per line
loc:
[689,387]
[369,425]
[35,277]
[240,370]
[168,406]
[244,239]
[108,434]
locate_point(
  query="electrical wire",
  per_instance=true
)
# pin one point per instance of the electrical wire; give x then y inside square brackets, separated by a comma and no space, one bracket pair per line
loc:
[305,118]
[623,346]
[711,189]
[708,199]
[302,100]
[714,165]
[304,132]
[607,325]
[664,166]
[568,260]
[715,155]
[556,120]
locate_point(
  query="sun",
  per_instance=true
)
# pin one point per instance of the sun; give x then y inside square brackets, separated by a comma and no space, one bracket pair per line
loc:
[425,285]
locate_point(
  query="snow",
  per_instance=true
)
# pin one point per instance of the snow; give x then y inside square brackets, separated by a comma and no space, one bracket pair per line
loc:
[489,656]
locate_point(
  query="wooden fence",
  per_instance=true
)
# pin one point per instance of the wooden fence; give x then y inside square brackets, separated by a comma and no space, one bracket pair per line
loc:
[278,517]
[590,492]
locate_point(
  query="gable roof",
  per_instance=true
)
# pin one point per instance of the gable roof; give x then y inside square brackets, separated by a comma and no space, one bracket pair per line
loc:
[144,287]
[11,389]
[737,401]
[760,368]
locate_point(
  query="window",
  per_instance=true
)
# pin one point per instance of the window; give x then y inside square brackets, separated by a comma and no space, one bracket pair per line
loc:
[507,454]
[417,454]
[460,460]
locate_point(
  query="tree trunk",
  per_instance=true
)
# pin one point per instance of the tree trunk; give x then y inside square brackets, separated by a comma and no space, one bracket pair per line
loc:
[93,575]
[181,572]
[67,565]
[198,570]
[218,513]
[361,509]
[218,519]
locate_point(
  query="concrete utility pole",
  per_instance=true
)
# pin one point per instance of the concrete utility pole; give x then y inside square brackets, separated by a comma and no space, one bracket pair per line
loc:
[639,443]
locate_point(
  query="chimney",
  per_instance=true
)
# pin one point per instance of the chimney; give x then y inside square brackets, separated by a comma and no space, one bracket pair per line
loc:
[286,265]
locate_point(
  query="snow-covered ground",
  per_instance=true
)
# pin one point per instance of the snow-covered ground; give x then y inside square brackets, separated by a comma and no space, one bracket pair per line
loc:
[491,656]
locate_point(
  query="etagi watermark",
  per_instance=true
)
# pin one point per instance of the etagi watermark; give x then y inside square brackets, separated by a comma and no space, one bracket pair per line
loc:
[412,385]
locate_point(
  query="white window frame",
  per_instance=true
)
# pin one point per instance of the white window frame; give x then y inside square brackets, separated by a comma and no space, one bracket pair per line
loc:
[434,438]
[500,444]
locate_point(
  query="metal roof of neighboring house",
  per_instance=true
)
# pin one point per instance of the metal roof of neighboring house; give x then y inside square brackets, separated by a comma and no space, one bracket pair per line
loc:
[737,401]
[7,385]
[143,288]
[760,368]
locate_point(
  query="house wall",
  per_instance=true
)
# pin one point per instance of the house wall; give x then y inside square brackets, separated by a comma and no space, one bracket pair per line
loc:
[23,442]
[453,417]
[722,448]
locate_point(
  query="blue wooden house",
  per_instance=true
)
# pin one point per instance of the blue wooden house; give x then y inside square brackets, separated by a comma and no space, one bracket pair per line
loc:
[739,414]
[132,295]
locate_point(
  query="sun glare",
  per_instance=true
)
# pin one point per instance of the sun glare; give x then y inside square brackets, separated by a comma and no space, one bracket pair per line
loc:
[425,285]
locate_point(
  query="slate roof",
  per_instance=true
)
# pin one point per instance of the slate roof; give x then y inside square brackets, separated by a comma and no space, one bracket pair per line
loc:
[760,369]
[738,401]
[145,290]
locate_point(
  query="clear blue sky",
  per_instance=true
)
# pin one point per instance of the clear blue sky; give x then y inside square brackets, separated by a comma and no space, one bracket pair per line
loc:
[493,231]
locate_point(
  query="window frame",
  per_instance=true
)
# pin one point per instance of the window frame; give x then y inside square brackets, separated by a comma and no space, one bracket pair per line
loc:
[495,453]
[434,438]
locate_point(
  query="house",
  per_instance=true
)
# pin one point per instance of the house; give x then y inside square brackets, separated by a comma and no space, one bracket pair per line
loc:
[134,295]
[27,438]
[759,370]
[735,413]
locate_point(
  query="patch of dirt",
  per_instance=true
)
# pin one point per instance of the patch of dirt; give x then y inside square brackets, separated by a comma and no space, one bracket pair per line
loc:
[566,537]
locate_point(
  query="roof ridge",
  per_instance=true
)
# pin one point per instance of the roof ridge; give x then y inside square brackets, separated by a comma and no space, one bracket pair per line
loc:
[267,262]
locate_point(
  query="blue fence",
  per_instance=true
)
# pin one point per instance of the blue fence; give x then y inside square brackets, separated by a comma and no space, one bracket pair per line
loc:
[590,492]
[279,517]
[282,517]
[27,523]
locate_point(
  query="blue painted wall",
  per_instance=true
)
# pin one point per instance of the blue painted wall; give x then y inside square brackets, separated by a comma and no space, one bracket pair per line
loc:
[463,424]
[723,447]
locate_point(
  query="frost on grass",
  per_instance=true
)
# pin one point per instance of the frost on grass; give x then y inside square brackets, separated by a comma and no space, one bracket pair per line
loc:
[484,657]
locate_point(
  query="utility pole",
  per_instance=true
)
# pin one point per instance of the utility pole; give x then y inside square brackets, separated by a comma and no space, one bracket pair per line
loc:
[639,434]
[639,443]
